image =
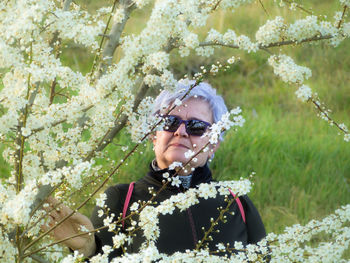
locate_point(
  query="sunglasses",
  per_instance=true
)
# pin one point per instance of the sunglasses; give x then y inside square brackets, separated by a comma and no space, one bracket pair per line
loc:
[193,127]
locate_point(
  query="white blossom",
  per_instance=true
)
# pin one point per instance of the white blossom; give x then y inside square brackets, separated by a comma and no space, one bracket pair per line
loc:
[304,93]
[159,60]
[271,31]
[191,40]
[345,2]
[231,60]
[287,70]
[175,181]
[119,15]
[100,201]
[189,154]
[26,132]
[177,102]
[174,165]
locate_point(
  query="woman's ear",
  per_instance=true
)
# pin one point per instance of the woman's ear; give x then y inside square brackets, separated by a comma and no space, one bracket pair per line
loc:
[213,148]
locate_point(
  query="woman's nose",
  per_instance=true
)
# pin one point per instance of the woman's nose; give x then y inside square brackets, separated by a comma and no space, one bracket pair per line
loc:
[181,131]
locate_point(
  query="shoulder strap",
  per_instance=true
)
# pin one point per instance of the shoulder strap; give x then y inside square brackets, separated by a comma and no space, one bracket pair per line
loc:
[239,203]
[127,200]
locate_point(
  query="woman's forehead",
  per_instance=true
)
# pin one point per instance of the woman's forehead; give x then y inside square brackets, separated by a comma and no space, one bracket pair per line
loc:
[193,108]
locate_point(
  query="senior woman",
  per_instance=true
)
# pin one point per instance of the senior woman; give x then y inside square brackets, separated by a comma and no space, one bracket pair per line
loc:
[183,130]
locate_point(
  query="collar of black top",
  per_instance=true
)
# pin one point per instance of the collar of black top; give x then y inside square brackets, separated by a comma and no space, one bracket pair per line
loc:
[200,175]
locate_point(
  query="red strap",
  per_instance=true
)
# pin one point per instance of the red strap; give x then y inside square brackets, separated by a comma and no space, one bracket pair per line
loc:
[127,200]
[240,206]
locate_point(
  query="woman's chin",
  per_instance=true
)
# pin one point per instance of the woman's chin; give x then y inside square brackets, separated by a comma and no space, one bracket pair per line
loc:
[176,157]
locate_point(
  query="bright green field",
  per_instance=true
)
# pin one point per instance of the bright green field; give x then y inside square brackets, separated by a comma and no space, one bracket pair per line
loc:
[302,166]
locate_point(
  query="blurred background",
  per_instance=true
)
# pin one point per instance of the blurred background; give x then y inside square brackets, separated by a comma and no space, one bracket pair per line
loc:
[302,165]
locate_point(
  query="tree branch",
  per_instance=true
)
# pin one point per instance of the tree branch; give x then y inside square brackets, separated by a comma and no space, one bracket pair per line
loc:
[39,259]
[342,17]
[66,5]
[276,44]
[262,5]
[119,123]
[299,6]
[114,39]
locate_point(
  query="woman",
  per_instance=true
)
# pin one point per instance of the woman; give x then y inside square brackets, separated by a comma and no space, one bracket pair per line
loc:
[182,132]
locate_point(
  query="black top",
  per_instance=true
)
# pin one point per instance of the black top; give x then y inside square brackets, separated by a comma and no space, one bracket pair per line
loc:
[180,230]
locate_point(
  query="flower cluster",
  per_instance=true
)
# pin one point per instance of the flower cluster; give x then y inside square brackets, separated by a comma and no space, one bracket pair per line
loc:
[271,31]
[304,93]
[224,124]
[287,70]
[16,208]
[345,2]
[291,246]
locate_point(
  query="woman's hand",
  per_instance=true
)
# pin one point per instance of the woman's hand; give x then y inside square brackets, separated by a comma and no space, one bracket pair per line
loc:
[75,224]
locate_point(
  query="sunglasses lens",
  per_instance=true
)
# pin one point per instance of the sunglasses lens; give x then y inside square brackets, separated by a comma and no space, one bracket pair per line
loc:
[193,127]
[196,127]
[171,123]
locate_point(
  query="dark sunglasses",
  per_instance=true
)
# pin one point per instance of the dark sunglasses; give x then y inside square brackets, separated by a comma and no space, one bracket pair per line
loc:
[193,127]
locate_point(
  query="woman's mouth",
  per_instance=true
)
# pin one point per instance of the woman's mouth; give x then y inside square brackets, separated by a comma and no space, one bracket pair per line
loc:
[178,145]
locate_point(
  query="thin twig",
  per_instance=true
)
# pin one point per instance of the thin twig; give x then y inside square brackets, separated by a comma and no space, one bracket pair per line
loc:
[52,91]
[325,113]
[342,17]
[103,38]
[216,5]
[214,223]
[299,6]
[262,5]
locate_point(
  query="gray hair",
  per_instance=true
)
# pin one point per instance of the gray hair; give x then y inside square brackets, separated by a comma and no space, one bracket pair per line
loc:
[202,91]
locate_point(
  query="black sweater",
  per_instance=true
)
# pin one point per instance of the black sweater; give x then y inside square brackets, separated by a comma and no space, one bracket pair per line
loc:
[180,230]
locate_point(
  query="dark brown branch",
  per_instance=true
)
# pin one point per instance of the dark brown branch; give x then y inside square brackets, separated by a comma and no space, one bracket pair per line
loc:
[216,5]
[342,17]
[52,91]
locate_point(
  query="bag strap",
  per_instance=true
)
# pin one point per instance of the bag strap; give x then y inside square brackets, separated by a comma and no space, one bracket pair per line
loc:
[239,203]
[127,200]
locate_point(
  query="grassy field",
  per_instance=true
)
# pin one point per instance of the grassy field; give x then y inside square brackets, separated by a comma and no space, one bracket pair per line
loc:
[302,165]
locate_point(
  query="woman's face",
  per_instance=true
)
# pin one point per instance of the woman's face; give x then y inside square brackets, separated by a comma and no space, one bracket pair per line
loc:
[171,147]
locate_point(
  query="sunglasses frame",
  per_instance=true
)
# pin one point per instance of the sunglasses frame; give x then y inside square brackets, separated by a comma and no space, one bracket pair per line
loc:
[186,122]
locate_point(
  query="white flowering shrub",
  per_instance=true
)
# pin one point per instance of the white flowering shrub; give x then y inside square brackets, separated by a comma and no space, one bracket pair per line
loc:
[55,122]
